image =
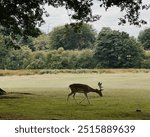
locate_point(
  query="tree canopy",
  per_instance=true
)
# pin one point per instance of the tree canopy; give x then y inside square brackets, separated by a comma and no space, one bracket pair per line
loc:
[117,50]
[68,38]
[144,38]
[23,16]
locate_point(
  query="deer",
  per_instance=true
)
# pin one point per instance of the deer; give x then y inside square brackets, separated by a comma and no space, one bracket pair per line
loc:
[85,89]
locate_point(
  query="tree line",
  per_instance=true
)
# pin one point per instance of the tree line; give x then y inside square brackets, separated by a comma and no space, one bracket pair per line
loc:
[68,48]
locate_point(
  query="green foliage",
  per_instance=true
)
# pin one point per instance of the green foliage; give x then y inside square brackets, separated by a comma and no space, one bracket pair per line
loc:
[38,60]
[41,42]
[69,38]
[144,38]
[147,54]
[16,40]
[112,49]
[3,52]
[70,59]
[146,61]
[116,49]
[18,59]
[54,60]
[23,17]
[85,59]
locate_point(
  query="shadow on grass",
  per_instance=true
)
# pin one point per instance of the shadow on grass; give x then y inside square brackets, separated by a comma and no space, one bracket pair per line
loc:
[10,116]
[21,93]
[8,97]
[14,95]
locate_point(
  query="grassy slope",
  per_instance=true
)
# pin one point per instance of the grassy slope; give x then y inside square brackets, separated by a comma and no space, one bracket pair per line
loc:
[44,97]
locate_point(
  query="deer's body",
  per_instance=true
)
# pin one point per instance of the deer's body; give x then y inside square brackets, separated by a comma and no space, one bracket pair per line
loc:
[83,88]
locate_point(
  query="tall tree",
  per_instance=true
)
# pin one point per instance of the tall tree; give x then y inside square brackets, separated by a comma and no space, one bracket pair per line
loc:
[23,16]
[116,49]
[68,38]
[144,38]
[3,52]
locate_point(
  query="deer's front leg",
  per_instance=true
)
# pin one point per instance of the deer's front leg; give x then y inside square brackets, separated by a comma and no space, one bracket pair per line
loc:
[87,97]
[75,98]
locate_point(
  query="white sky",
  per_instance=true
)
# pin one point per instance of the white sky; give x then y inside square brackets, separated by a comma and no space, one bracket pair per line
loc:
[59,16]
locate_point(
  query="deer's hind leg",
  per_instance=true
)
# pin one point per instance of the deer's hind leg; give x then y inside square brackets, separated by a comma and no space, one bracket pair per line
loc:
[82,101]
[87,97]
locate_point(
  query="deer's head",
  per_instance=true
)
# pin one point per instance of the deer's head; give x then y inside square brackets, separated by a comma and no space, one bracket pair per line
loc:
[100,89]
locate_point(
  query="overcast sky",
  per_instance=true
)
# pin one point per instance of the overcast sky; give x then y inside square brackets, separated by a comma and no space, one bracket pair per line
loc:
[59,16]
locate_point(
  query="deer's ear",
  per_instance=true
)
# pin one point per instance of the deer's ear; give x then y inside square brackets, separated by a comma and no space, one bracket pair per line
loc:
[99,83]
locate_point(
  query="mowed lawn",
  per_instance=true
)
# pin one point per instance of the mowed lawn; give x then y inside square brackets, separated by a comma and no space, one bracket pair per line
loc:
[44,97]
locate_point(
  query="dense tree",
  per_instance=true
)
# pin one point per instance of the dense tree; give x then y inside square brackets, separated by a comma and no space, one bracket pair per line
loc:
[23,16]
[17,40]
[144,38]
[41,42]
[146,61]
[68,38]
[18,59]
[3,52]
[112,49]
[116,49]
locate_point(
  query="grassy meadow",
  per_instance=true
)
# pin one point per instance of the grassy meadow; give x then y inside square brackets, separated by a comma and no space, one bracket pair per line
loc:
[43,97]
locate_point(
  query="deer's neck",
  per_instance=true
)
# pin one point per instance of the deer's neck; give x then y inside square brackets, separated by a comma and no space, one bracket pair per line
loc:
[92,89]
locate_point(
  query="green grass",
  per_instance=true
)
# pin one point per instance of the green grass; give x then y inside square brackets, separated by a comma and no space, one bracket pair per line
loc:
[44,96]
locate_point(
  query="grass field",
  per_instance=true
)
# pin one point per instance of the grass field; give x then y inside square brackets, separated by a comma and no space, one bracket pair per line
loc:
[44,96]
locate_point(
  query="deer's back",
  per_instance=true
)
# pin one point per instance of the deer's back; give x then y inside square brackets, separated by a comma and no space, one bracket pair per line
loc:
[79,87]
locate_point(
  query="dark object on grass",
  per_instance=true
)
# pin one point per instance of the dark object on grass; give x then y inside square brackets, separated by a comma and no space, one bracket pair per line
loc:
[138,110]
[2,92]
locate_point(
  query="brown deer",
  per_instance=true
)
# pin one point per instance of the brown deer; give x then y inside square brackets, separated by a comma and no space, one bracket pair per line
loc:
[82,88]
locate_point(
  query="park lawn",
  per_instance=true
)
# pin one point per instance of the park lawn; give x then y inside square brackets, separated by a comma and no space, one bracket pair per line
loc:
[44,97]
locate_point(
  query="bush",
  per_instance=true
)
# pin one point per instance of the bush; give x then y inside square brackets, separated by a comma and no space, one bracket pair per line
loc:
[146,64]
[70,59]
[146,61]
